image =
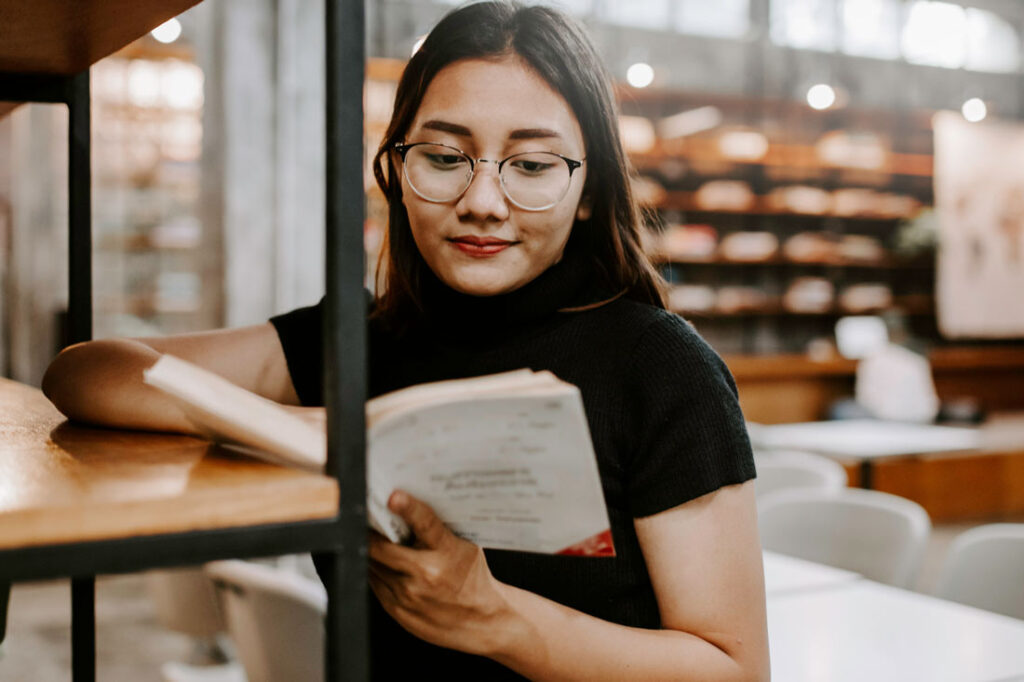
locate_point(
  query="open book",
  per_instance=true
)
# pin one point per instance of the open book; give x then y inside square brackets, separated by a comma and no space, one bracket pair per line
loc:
[505,460]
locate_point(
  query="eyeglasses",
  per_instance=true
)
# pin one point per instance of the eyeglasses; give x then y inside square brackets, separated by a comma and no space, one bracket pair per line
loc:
[533,181]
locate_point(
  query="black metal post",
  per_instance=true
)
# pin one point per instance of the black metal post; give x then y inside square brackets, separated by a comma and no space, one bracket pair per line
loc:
[347,650]
[79,211]
[867,474]
[83,629]
[5,597]
[83,613]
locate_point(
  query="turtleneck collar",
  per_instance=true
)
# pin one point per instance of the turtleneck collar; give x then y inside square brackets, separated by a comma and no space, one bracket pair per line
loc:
[567,284]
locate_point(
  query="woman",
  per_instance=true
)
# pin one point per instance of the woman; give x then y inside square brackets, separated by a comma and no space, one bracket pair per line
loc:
[513,243]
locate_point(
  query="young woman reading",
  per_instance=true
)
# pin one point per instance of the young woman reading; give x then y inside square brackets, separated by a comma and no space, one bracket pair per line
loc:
[513,242]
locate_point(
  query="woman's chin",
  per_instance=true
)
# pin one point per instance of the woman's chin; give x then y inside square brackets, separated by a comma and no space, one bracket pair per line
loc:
[483,286]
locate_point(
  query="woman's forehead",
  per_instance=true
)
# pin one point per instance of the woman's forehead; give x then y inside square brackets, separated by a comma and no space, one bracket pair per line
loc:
[503,98]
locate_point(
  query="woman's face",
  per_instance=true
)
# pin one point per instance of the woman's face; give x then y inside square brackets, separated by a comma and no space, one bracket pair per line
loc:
[481,243]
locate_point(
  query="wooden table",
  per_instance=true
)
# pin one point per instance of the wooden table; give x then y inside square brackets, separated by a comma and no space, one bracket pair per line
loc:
[862,630]
[79,501]
[61,483]
[955,473]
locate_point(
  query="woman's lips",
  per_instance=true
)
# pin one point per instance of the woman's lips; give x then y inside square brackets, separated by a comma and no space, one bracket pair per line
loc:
[480,247]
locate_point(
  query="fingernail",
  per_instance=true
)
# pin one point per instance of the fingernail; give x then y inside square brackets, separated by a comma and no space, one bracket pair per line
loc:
[399,499]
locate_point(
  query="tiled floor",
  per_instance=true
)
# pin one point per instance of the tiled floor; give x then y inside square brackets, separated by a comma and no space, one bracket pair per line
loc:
[131,646]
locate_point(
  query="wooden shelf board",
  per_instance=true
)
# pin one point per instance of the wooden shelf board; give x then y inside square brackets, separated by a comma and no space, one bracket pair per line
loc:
[65,483]
[803,157]
[66,37]
[886,264]
[668,98]
[942,360]
[686,201]
[909,306]
[780,312]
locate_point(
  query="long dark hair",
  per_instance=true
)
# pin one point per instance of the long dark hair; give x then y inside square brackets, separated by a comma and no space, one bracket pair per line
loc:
[558,49]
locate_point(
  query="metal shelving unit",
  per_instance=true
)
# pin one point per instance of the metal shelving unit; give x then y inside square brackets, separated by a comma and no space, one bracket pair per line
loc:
[45,52]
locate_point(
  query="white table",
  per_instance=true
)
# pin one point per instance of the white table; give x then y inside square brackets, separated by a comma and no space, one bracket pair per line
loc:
[787,575]
[866,439]
[859,631]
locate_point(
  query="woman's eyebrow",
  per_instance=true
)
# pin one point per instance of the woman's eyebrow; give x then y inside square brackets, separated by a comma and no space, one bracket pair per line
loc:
[532,134]
[446,127]
[463,131]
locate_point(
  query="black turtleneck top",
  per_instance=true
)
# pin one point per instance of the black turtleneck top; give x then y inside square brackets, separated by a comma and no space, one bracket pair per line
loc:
[662,409]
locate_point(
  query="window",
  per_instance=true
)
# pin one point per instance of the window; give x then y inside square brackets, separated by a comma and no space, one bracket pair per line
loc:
[992,43]
[638,13]
[935,34]
[871,28]
[806,24]
[577,8]
[723,19]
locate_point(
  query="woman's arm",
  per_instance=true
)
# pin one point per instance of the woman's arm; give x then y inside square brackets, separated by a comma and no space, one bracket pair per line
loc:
[100,382]
[704,560]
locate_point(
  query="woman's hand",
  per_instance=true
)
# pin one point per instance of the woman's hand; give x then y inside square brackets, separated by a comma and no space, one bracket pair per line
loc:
[440,589]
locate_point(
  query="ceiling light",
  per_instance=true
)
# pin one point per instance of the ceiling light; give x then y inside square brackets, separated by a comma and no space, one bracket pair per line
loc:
[821,96]
[974,110]
[640,75]
[167,32]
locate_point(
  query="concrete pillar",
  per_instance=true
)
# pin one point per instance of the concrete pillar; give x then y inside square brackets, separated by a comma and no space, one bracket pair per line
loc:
[36,283]
[263,151]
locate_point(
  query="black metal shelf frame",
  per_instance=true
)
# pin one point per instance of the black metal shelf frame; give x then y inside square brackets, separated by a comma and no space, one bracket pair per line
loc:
[340,542]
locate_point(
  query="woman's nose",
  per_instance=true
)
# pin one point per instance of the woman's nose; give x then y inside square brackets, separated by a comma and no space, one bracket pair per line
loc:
[484,199]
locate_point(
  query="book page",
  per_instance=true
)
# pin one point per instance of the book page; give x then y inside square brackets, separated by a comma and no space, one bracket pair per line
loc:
[505,472]
[413,397]
[231,415]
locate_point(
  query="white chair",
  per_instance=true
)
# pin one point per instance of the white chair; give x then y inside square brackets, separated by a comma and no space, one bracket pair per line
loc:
[275,618]
[880,536]
[787,469]
[184,601]
[173,671]
[985,568]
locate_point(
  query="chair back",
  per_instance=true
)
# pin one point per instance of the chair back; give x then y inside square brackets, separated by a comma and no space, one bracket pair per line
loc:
[184,601]
[985,568]
[785,469]
[880,536]
[275,619]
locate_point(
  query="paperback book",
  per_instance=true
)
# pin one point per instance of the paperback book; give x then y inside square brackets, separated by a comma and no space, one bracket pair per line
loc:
[505,460]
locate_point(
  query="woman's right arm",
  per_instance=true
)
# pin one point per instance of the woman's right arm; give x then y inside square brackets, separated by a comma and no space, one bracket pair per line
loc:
[100,382]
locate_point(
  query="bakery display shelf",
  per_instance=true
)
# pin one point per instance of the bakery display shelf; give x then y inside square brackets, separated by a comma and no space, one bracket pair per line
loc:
[761,206]
[778,155]
[913,306]
[891,263]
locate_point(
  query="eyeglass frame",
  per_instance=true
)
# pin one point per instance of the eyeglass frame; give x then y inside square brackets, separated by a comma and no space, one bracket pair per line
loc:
[403,148]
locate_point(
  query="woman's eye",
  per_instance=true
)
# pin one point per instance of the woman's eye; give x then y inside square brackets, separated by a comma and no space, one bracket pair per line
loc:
[531,167]
[445,161]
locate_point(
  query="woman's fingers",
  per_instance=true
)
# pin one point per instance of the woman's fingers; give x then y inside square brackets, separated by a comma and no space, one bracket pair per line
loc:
[426,526]
[395,557]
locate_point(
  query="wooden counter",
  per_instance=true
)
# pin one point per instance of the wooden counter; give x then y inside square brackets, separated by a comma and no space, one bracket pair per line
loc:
[61,483]
[777,389]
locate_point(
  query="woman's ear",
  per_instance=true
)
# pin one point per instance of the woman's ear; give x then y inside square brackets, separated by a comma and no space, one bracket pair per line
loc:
[585,208]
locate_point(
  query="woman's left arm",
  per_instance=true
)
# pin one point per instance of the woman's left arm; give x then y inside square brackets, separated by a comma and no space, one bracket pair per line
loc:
[704,560]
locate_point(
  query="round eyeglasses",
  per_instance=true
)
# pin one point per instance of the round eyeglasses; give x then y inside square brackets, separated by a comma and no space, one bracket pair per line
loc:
[533,181]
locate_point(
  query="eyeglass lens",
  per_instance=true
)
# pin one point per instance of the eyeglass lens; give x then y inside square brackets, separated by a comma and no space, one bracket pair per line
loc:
[532,180]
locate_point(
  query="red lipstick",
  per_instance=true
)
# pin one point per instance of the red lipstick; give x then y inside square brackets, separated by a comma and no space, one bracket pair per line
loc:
[480,247]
